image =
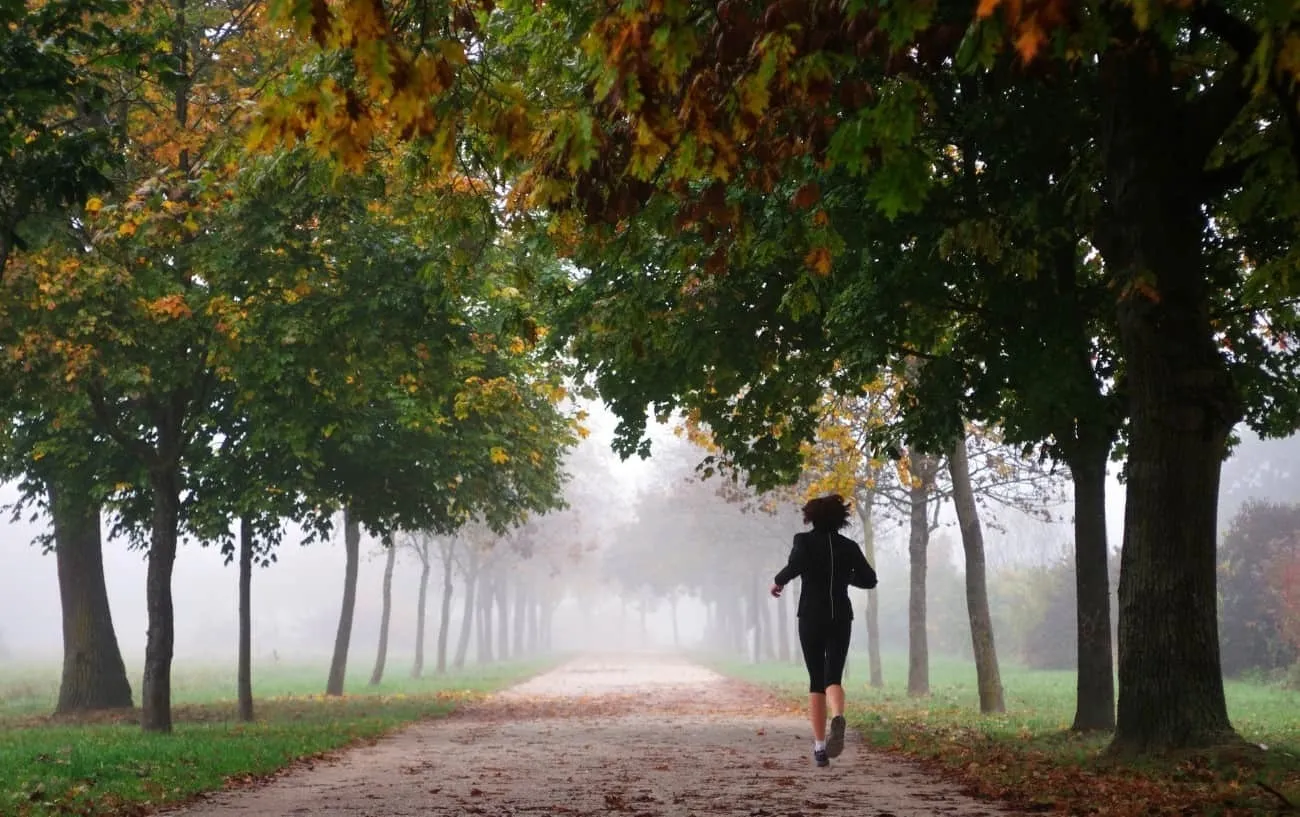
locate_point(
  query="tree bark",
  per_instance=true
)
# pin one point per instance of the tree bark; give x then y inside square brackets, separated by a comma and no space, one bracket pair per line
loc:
[421,608]
[918,647]
[1183,404]
[352,553]
[94,675]
[447,552]
[244,675]
[467,611]
[1095,697]
[156,695]
[983,644]
[386,616]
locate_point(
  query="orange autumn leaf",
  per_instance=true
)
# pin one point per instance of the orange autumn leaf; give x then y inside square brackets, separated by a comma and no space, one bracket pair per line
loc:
[818,260]
[1030,41]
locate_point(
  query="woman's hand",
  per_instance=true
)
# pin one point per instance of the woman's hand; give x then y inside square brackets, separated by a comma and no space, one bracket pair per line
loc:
[776,591]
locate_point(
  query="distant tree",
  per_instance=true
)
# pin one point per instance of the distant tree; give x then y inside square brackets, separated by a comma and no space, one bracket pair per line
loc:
[386,616]
[1260,540]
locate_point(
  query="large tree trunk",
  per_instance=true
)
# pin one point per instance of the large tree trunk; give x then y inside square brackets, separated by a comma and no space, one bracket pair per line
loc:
[421,608]
[467,612]
[918,543]
[1183,405]
[1095,698]
[987,675]
[386,616]
[865,503]
[244,674]
[444,622]
[156,694]
[94,675]
[352,553]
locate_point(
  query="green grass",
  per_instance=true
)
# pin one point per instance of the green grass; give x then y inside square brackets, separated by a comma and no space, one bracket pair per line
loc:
[1028,755]
[106,765]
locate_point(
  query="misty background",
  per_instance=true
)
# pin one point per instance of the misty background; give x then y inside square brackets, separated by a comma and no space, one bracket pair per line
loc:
[604,606]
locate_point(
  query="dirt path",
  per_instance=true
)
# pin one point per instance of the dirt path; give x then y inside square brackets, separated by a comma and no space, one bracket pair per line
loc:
[636,735]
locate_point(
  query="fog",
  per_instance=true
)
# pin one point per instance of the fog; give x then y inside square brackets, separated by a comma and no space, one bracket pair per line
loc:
[296,600]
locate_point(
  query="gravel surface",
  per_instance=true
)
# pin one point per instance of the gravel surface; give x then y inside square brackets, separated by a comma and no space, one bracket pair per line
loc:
[641,735]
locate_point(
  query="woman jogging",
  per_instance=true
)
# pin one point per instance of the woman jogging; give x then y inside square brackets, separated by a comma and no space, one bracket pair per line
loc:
[828,563]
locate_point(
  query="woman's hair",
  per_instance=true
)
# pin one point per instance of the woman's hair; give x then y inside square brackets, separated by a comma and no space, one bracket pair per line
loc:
[828,512]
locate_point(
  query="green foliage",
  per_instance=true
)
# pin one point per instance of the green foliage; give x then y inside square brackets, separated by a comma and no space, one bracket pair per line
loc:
[56,141]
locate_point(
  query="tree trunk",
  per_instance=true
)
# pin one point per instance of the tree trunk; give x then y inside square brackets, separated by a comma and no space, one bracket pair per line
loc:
[987,675]
[156,694]
[865,504]
[467,611]
[1183,404]
[534,626]
[386,616]
[485,620]
[547,619]
[444,622]
[672,611]
[782,630]
[94,675]
[764,619]
[918,543]
[244,675]
[502,593]
[421,609]
[521,614]
[1095,698]
[352,551]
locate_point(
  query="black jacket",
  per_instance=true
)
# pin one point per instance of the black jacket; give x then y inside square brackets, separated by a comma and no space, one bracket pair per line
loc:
[828,564]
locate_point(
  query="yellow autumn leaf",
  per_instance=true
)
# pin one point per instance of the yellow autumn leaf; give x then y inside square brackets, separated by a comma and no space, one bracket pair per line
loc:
[127,229]
[498,455]
[94,205]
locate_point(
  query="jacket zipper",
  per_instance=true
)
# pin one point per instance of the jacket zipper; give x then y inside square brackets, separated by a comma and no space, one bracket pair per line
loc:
[830,540]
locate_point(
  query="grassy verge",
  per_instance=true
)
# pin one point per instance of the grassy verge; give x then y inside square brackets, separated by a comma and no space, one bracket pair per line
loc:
[1029,757]
[107,766]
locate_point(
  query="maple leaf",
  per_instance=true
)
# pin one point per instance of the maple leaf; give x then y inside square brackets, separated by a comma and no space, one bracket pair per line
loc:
[498,455]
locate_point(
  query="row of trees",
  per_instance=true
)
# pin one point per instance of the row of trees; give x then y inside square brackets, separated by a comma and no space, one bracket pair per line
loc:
[760,201]
[220,342]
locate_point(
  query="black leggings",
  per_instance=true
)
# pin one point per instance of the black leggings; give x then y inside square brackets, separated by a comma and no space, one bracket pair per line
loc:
[825,647]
